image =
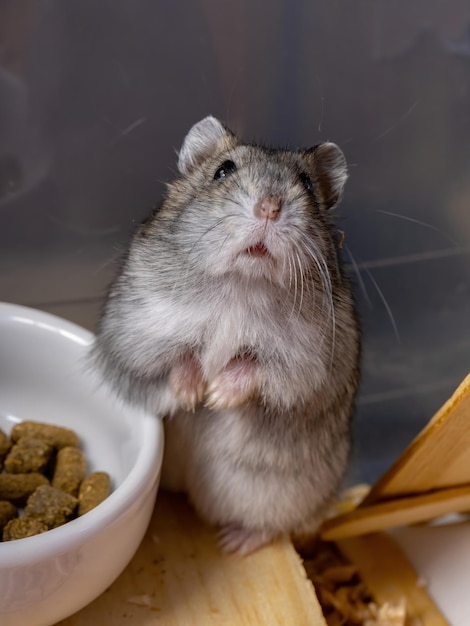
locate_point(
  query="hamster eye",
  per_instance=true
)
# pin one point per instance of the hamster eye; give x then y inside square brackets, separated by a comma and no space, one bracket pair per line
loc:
[227,168]
[306,182]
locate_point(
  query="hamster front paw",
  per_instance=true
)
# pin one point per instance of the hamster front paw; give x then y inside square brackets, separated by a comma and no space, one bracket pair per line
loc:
[233,385]
[187,381]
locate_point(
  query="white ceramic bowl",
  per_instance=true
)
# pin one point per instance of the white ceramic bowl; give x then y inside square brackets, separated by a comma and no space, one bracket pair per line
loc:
[44,377]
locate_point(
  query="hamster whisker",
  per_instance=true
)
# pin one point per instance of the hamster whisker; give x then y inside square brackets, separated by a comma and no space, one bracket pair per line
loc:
[302,280]
[292,279]
[189,264]
[296,269]
[385,303]
[311,282]
[420,223]
[358,274]
[109,261]
[295,289]
[231,200]
[213,226]
[290,271]
[283,268]
[315,254]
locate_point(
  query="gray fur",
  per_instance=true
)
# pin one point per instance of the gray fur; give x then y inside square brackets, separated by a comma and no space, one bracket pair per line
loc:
[191,302]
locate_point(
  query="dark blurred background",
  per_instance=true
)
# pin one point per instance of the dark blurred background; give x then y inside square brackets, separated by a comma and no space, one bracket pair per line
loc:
[96,97]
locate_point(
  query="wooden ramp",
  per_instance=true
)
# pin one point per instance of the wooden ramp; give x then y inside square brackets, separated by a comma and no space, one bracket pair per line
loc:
[430,479]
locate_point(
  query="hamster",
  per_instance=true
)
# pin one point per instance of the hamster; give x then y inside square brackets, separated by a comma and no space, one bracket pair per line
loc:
[232,317]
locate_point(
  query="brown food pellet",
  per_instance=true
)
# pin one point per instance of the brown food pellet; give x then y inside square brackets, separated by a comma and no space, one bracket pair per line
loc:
[93,490]
[58,436]
[52,506]
[7,512]
[23,527]
[18,487]
[28,455]
[5,446]
[70,470]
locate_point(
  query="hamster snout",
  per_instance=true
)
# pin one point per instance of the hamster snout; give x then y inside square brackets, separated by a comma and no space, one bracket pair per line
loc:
[268,208]
[231,316]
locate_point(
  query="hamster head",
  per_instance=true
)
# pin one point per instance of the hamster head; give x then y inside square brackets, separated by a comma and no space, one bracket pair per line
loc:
[257,212]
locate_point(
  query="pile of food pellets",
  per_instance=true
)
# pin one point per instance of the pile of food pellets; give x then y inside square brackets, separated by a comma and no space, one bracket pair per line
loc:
[43,480]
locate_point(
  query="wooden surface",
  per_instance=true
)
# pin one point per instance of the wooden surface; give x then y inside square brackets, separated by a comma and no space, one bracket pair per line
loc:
[390,577]
[438,457]
[397,512]
[180,577]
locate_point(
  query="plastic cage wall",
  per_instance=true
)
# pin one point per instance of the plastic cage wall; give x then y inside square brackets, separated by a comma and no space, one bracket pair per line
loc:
[95,97]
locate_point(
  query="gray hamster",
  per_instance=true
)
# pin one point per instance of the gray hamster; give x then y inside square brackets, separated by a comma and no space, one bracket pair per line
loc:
[232,317]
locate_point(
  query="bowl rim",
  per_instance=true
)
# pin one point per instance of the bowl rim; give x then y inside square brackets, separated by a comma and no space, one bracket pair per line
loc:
[142,475]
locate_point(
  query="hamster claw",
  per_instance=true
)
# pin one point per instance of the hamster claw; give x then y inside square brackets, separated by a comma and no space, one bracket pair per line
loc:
[187,382]
[189,397]
[233,385]
[239,540]
[219,399]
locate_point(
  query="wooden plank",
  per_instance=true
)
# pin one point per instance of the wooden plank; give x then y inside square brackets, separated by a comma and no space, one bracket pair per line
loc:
[179,576]
[438,457]
[390,577]
[397,512]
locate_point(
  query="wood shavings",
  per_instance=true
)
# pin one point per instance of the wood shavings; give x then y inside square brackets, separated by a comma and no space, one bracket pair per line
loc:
[388,615]
[343,596]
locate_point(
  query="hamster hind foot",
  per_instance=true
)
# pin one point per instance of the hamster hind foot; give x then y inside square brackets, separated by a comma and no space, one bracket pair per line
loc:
[187,381]
[235,384]
[237,539]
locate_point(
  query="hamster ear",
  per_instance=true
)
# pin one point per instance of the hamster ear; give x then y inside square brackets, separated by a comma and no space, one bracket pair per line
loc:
[202,141]
[331,173]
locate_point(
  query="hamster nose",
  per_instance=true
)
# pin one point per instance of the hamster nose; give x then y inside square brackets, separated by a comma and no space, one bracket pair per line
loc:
[267,208]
